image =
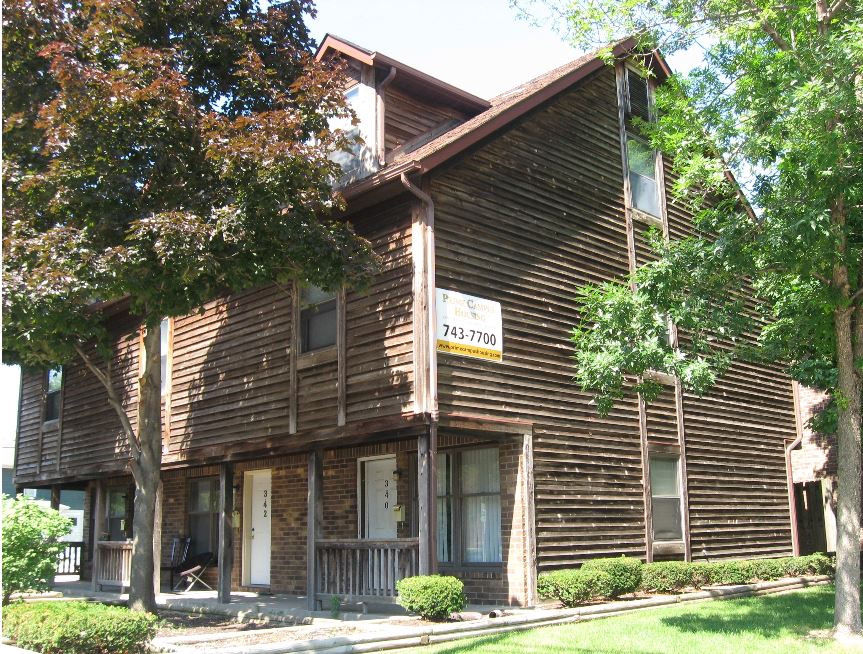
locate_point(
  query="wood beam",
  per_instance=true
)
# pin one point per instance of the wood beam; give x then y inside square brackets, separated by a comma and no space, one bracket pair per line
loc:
[226,531]
[98,527]
[55,497]
[314,529]
[529,519]
[427,499]
[342,363]
[293,354]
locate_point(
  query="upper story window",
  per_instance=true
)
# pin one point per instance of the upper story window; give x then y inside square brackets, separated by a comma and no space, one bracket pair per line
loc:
[665,497]
[317,319]
[54,387]
[165,338]
[361,161]
[641,159]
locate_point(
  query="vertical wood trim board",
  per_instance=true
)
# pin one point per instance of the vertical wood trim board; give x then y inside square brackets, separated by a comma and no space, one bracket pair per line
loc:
[341,349]
[294,352]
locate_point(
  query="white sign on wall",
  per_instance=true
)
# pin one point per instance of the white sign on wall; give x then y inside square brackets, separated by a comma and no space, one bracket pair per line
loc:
[468,326]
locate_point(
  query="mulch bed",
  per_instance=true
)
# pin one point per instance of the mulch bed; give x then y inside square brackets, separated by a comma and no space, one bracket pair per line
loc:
[175,623]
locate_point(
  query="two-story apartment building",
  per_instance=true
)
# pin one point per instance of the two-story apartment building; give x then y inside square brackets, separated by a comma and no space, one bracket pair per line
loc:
[431,422]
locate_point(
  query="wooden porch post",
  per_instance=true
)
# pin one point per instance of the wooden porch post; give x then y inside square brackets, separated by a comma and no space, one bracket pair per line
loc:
[226,531]
[98,527]
[157,540]
[314,523]
[55,497]
[427,499]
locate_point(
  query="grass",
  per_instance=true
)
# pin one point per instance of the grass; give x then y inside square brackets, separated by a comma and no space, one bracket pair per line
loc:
[772,624]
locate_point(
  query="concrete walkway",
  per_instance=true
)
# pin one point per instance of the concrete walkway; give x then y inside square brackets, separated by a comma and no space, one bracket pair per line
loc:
[244,606]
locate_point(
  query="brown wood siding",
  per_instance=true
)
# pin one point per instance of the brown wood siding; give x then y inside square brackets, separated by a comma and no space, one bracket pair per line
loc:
[735,449]
[92,434]
[380,320]
[230,370]
[29,419]
[662,419]
[525,220]
[407,117]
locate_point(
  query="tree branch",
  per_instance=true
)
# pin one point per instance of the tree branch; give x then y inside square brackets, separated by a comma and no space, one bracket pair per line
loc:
[771,31]
[113,400]
[835,9]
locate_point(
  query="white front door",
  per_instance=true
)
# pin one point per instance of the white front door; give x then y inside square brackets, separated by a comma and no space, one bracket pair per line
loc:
[379,495]
[258,508]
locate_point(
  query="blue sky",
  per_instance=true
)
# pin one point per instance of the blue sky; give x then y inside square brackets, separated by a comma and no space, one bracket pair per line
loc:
[479,46]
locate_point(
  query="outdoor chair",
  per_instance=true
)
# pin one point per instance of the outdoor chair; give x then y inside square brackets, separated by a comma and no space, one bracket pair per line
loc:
[179,553]
[191,571]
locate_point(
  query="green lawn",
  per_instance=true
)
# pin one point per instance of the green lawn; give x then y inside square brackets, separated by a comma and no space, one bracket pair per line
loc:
[774,624]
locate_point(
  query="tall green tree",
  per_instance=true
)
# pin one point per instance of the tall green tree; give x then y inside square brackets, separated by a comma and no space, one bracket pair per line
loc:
[165,152]
[778,100]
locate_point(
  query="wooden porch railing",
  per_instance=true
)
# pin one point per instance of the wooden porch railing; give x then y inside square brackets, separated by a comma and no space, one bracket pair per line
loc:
[363,569]
[69,561]
[112,564]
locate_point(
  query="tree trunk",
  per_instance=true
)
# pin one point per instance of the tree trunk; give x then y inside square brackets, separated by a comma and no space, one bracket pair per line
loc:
[146,470]
[847,611]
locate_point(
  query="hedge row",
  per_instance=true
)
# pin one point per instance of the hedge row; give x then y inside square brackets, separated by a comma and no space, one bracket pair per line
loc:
[610,578]
[78,628]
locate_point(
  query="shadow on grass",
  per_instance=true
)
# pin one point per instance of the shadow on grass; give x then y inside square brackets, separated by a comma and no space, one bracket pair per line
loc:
[765,616]
[529,642]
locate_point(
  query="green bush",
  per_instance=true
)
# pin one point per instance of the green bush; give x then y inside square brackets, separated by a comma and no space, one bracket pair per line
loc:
[573,587]
[667,576]
[768,569]
[624,574]
[433,597]
[729,573]
[31,543]
[61,627]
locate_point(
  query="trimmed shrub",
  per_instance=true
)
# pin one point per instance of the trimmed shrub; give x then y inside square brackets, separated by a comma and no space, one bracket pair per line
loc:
[573,587]
[820,564]
[624,574]
[31,543]
[700,574]
[730,573]
[432,597]
[78,628]
[768,569]
[667,576]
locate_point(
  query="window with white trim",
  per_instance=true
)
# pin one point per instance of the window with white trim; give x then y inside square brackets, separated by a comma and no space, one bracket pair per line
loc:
[667,515]
[468,507]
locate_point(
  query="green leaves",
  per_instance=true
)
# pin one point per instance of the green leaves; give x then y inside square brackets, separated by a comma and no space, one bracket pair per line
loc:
[165,152]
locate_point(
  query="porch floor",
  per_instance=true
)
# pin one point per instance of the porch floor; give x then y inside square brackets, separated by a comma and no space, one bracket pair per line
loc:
[277,607]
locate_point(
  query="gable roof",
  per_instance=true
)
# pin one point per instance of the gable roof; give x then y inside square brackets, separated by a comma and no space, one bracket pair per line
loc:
[503,110]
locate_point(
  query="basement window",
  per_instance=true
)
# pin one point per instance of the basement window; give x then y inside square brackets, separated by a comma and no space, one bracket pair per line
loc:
[317,319]
[53,397]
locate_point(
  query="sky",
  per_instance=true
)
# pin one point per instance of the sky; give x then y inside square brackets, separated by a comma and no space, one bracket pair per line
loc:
[480,46]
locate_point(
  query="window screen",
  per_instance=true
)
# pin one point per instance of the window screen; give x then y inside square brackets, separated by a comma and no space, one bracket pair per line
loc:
[317,319]
[665,497]
[639,96]
[641,159]
[204,515]
[53,394]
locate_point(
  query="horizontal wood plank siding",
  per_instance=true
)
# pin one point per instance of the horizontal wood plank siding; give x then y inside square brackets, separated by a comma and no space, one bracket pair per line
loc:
[230,370]
[525,220]
[29,418]
[92,433]
[380,320]
[735,449]
[662,419]
[407,117]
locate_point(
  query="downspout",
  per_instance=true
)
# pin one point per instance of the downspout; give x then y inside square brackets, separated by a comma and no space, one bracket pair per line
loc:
[381,114]
[792,504]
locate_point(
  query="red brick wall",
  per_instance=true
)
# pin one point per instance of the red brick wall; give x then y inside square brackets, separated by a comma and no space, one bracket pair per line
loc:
[288,526]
